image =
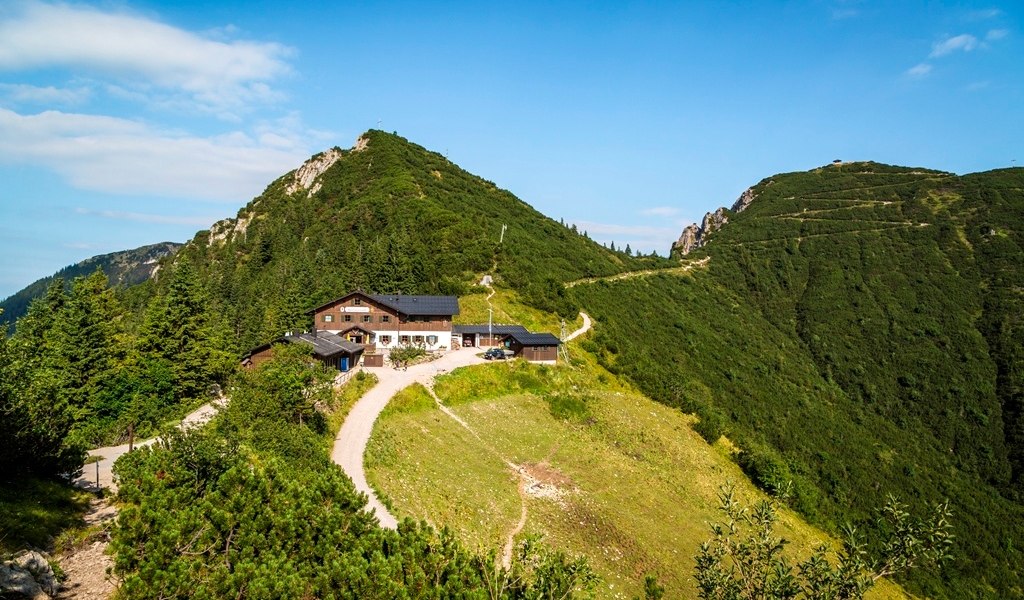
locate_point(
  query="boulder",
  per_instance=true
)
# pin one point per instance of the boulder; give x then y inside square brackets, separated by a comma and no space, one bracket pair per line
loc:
[28,575]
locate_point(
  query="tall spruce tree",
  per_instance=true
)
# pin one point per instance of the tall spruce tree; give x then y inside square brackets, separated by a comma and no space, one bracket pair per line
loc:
[177,335]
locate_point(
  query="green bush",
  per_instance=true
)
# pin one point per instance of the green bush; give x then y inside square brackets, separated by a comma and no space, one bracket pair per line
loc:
[766,469]
[711,424]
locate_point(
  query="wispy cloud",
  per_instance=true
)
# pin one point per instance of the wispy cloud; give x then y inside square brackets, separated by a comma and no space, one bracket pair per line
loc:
[919,70]
[148,217]
[20,93]
[660,211]
[156,60]
[110,154]
[639,237]
[996,34]
[964,42]
[80,245]
[977,85]
[983,14]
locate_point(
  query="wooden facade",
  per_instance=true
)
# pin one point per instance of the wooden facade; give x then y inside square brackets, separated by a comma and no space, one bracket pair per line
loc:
[384,322]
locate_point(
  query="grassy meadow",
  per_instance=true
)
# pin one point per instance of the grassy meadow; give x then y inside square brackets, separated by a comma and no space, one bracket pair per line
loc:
[608,472]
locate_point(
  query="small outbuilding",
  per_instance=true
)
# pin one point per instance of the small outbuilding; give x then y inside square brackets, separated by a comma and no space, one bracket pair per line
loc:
[533,347]
[328,348]
[483,336]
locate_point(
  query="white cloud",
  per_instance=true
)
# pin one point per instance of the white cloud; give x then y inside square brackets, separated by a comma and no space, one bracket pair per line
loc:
[919,70]
[660,211]
[147,56]
[20,93]
[964,41]
[148,217]
[110,154]
[996,34]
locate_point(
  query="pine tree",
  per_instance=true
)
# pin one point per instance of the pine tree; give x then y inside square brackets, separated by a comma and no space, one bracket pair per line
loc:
[177,331]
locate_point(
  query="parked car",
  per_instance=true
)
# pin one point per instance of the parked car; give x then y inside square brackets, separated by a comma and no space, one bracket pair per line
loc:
[494,354]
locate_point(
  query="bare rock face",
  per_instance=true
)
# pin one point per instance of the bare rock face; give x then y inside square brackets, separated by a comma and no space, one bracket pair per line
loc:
[306,176]
[688,241]
[695,236]
[744,200]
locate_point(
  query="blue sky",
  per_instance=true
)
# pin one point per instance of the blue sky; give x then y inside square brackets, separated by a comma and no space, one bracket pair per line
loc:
[126,123]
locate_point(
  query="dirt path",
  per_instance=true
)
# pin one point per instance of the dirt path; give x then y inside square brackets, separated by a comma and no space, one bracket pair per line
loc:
[350,444]
[684,268]
[86,567]
[587,323]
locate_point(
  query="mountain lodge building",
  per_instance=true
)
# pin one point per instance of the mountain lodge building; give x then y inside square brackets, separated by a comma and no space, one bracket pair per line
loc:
[358,328]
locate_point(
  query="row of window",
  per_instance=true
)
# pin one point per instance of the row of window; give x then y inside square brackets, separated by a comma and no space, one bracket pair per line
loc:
[407,339]
[365,318]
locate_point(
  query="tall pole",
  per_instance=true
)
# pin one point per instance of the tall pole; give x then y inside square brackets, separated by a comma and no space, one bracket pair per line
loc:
[490,336]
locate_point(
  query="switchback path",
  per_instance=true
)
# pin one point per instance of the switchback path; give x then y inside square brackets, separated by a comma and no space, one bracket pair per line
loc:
[350,444]
[684,268]
[587,323]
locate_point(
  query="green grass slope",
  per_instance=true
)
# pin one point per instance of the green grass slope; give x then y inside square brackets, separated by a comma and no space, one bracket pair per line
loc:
[857,330]
[570,454]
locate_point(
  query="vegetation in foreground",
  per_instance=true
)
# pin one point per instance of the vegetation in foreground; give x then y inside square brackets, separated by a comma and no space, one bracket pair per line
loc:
[251,506]
[36,512]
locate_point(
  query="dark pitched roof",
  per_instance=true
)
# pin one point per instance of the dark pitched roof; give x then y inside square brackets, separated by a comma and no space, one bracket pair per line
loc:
[433,306]
[420,305]
[536,339]
[325,344]
[482,329]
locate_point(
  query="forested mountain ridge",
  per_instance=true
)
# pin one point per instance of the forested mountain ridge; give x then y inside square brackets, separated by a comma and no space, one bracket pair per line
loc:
[386,216]
[127,267]
[858,331]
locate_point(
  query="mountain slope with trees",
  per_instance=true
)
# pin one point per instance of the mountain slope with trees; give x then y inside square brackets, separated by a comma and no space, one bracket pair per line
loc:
[387,216]
[125,268]
[857,331]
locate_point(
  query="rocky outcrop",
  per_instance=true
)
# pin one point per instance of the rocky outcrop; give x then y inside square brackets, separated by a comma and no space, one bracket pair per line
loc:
[28,575]
[228,229]
[695,236]
[305,177]
[743,201]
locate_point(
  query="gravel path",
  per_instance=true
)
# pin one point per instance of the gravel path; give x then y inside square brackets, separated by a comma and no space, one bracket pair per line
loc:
[585,328]
[108,454]
[350,445]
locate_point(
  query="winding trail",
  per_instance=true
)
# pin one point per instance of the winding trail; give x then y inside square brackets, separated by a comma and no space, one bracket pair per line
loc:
[350,443]
[680,270]
[587,324]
